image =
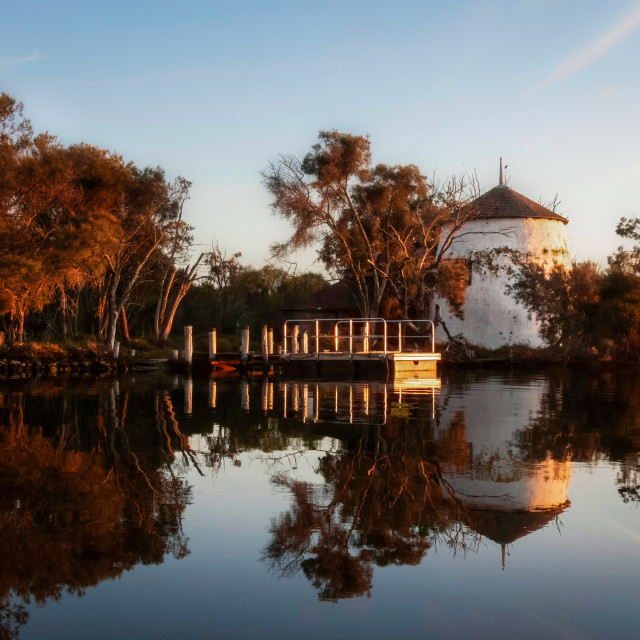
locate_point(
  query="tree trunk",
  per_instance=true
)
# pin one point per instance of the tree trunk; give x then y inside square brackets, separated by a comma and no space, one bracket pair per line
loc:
[125,325]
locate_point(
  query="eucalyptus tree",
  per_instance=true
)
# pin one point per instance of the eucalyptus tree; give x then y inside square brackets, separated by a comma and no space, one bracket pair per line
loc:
[386,229]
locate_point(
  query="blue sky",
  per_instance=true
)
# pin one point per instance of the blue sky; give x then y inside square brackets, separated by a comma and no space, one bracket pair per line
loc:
[213,90]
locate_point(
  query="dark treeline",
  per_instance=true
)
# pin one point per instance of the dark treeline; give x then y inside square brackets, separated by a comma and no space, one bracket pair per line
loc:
[93,245]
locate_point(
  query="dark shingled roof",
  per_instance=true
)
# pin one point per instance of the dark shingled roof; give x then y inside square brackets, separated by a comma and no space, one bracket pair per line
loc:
[502,202]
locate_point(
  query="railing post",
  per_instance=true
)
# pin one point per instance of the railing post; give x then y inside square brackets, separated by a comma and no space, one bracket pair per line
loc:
[350,335]
[399,336]
[365,340]
[317,336]
[336,337]
[384,324]
[305,341]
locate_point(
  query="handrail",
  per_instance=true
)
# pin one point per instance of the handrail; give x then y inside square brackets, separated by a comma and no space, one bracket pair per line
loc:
[365,336]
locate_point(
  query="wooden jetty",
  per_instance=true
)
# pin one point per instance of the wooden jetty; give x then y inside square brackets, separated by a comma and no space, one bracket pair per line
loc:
[359,347]
[341,348]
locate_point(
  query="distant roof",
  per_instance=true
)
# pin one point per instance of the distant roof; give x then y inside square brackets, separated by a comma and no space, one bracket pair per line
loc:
[503,202]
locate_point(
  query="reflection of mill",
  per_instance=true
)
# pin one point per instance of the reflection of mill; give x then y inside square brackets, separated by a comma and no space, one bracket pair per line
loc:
[506,492]
[509,491]
[479,438]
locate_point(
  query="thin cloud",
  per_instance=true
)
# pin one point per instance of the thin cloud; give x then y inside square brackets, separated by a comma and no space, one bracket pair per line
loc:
[593,52]
[14,62]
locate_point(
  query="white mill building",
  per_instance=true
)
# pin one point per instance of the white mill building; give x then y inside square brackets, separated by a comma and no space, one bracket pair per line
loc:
[506,219]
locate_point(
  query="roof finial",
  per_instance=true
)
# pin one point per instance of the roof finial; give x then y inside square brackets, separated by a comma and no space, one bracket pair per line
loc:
[501,180]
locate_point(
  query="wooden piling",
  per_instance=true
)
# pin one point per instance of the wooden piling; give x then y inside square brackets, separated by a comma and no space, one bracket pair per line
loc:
[188,345]
[265,343]
[244,344]
[212,344]
[270,341]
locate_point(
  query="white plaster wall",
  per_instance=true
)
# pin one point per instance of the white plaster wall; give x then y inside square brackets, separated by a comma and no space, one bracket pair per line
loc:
[491,317]
[499,477]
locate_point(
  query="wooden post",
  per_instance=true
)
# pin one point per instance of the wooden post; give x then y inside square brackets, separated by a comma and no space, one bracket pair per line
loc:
[116,350]
[188,396]
[244,345]
[188,345]
[270,341]
[212,344]
[265,343]
[295,347]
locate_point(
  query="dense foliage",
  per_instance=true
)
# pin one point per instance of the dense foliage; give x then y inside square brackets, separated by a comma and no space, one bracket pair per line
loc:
[586,310]
[385,229]
[91,244]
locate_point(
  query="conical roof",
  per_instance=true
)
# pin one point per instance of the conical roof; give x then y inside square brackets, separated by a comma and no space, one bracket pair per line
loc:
[503,202]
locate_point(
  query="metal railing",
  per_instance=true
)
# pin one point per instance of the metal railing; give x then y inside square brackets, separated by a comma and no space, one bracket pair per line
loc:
[357,335]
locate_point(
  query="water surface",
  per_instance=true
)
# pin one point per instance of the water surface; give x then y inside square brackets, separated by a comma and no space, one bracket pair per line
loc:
[475,505]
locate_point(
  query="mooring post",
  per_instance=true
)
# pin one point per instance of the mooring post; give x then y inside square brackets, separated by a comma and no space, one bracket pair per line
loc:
[244,344]
[188,344]
[295,347]
[188,396]
[270,342]
[265,343]
[212,344]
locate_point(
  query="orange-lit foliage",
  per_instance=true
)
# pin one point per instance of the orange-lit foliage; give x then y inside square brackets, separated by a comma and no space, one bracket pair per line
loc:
[385,229]
[71,518]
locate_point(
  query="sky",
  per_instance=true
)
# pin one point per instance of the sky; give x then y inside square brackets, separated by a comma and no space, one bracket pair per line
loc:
[213,91]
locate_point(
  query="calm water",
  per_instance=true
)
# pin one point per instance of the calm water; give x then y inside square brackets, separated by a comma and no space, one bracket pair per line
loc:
[475,505]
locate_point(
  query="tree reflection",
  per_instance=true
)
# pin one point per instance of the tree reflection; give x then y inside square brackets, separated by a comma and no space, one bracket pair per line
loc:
[384,502]
[82,506]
